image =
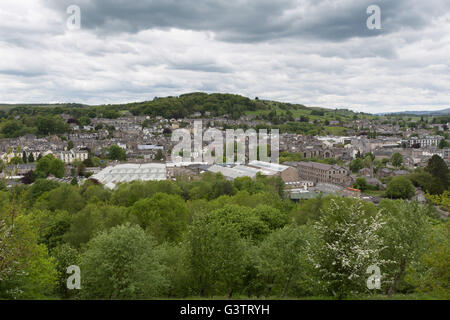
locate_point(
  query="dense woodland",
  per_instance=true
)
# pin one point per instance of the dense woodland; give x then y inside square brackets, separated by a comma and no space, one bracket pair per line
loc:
[214,238]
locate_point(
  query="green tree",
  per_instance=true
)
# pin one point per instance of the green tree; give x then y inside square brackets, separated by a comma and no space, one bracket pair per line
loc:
[424,180]
[400,188]
[272,217]
[443,144]
[361,184]
[65,256]
[174,258]
[51,226]
[431,274]
[39,187]
[283,258]
[128,193]
[50,125]
[396,159]
[159,155]
[95,193]
[16,160]
[65,197]
[122,264]
[404,234]
[11,128]
[26,270]
[57,168]
[439,170]
[117,153]
[247,222]
[50,165]
[91,220]
[84,121]
[165,215]
[356,165]
[217,256]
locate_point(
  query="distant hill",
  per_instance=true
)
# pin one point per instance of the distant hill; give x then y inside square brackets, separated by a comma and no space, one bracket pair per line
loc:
[23,119]
[185,105]
[421,113]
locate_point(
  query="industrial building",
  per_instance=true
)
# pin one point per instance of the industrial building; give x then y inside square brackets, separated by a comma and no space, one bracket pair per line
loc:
[110,176]
[288,174]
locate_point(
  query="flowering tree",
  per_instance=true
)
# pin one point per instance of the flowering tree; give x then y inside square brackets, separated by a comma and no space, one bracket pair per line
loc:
[349,244]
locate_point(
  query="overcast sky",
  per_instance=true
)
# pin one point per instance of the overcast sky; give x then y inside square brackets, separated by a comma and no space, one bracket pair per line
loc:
[314,52]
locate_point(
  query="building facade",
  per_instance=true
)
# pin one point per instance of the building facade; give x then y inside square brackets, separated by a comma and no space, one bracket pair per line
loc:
[323,173]
[424,142]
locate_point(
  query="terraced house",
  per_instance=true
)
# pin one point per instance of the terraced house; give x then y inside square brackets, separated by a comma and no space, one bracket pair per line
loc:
[71,155]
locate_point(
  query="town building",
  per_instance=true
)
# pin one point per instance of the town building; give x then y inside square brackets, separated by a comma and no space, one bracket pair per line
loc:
[325,173]
[424,142]
[72,155]
[112,175]
[287,173]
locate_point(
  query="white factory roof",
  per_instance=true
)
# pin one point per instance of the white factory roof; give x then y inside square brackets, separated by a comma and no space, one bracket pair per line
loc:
[268,166]
[226,171]
[184,164]
[131,172]
[239,171]
[252,171]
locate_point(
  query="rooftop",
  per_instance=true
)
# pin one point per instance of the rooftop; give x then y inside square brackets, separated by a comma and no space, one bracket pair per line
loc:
[268,166]
[131,172]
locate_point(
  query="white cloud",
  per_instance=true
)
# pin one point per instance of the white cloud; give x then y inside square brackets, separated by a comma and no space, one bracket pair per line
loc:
[41,61]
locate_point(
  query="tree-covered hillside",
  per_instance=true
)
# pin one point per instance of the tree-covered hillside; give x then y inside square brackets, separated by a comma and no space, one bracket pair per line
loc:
[211,237]
[18,120]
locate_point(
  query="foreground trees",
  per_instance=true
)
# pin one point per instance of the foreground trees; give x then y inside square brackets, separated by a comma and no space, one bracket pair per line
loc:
[349,242]
[404,233]
[208,238]
[217,256]
[26,270]
[121,264]
[431,274]
[282,259]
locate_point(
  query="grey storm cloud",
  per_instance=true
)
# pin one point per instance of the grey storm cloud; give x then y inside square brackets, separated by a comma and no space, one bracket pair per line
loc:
[255,20]
[21,73]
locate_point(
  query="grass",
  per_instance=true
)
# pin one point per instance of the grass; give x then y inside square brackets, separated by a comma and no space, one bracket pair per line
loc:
[374,193]
[336,131]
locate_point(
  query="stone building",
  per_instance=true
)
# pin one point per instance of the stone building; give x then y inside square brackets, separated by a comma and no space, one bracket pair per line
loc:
[287,173]
[71,155]
[325,173]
